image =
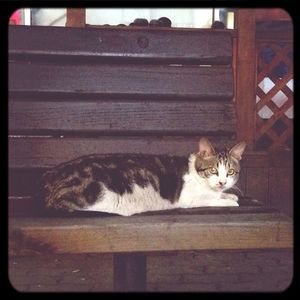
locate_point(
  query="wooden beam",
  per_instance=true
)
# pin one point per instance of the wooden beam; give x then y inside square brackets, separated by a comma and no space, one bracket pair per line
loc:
[121,81]
[41,152]
[246,76]
[129,272]
[122,117]
[149,233]
[274,35]
[205,46]
[271,14]
[75,17]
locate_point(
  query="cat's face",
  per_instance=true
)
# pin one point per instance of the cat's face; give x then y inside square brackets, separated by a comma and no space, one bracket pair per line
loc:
[220,170]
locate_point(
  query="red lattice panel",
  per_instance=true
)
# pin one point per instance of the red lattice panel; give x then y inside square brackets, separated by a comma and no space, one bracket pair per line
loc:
[274,117]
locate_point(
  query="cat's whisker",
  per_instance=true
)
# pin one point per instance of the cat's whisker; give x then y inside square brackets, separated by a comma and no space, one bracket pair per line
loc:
[238,189]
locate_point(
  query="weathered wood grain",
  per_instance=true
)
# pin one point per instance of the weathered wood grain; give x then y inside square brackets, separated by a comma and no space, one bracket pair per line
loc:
[126,80]
[197,46]
[23,182]
[130,272]
[266,159]
[281,189]
[62,273]
[257,184]
[120,117]
[274,35]
[220,270]
[150,233]
[246,76]
[43,152]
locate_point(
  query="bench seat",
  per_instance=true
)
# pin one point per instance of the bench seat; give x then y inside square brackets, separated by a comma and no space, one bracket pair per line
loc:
[194,229]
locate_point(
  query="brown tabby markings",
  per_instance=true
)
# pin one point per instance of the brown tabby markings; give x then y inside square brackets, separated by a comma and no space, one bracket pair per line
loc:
[77,184]
[203,165]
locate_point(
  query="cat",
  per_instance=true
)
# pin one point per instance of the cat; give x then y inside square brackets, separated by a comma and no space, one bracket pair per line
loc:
[128,184]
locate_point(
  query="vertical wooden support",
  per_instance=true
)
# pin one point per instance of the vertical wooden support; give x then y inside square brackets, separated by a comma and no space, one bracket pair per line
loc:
[75,17]
[130,272]
[246,76]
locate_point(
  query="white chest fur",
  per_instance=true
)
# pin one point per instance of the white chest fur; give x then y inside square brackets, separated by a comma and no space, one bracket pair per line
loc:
[196,193]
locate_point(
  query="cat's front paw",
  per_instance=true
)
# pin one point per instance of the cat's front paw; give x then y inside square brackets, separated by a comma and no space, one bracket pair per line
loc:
[230,197]
[223,202]
[228,202]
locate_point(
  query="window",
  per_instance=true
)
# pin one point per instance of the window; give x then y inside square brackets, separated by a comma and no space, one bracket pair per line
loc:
[191,18]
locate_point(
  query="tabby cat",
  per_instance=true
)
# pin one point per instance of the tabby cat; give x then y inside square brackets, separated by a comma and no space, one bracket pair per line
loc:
[128,184]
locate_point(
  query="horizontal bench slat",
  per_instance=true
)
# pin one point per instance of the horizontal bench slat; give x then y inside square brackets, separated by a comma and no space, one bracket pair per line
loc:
[120,117]
[169,45]
[150,233]
[42,152]
[125,80]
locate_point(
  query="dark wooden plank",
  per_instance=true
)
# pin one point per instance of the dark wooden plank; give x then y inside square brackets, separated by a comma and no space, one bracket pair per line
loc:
[246,75]
[150,233]
[209,117]
[264,159]
[219,270]
[274,14]
[255,159]
[23,181]
[257,184]
[281,189]
[274,35]
[198,46]
[130,272]
[282,159]
[25,206]
[126,80]
[42,152]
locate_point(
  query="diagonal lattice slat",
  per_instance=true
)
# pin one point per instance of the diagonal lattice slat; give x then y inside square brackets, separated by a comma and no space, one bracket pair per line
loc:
[278,86]
[268,125]
[267,68]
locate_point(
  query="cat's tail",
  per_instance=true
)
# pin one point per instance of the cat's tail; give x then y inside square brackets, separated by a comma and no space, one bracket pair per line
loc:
[39,198]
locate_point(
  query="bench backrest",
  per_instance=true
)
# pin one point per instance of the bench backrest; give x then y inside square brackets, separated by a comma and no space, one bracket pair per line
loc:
[76,91]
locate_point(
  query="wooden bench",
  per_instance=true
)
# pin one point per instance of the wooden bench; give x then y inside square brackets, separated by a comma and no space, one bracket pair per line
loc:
[76,91]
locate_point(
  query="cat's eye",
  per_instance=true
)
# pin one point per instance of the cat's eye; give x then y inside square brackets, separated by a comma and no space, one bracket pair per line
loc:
[231,172]
[213,170]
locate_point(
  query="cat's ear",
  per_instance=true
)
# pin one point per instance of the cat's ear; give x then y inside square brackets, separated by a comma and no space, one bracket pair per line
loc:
[237,150]
[205,148]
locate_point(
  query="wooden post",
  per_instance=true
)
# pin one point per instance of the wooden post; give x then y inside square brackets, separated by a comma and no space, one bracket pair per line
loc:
[246,76]
[129,272]
[75,17]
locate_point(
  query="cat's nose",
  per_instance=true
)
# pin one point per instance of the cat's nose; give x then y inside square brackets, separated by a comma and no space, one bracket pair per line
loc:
[222,182]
